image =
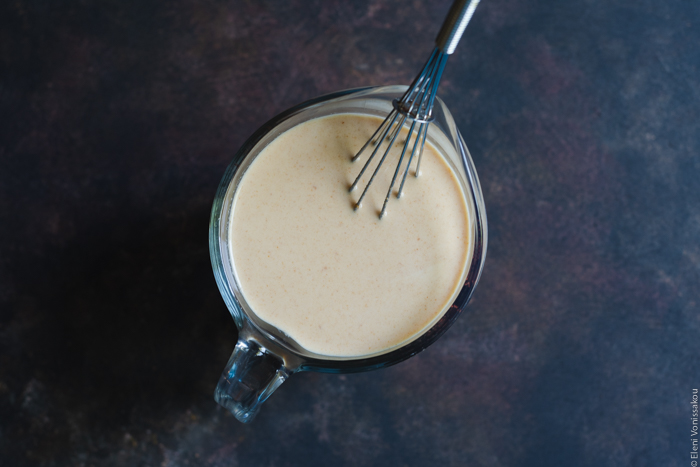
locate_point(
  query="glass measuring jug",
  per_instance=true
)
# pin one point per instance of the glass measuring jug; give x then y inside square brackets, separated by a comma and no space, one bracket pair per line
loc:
[264,356]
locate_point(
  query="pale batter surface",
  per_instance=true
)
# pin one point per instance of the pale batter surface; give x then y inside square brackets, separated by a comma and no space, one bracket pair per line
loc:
[342,282]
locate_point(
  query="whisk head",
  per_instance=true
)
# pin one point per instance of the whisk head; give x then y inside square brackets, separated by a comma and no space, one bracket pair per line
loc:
[414,107]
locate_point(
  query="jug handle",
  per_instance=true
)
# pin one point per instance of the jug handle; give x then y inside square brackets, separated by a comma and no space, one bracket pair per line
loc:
[251,375]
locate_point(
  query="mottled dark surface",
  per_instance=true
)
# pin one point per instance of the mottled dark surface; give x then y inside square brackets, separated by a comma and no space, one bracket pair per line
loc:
[581,345]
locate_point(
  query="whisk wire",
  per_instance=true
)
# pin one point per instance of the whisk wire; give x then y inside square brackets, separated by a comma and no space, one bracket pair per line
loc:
[396,172]
[393,115]
[370,140]
[421,131]
[395,129]
[381,161]
[418,83]
[433,92]
[426,98]
[436,82]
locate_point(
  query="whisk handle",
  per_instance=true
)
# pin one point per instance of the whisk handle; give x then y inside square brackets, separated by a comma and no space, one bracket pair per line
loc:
[452,29]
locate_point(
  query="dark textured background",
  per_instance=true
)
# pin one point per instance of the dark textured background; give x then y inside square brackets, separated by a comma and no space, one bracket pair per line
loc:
[118,118]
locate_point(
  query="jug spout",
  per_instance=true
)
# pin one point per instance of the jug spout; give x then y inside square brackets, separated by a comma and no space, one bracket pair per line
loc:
[252,374]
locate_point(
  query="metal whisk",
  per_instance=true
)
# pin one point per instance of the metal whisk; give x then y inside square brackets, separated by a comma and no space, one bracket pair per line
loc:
[416,104]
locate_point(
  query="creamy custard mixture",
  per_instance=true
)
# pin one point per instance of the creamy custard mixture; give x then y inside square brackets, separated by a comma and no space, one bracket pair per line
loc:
[343,283]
